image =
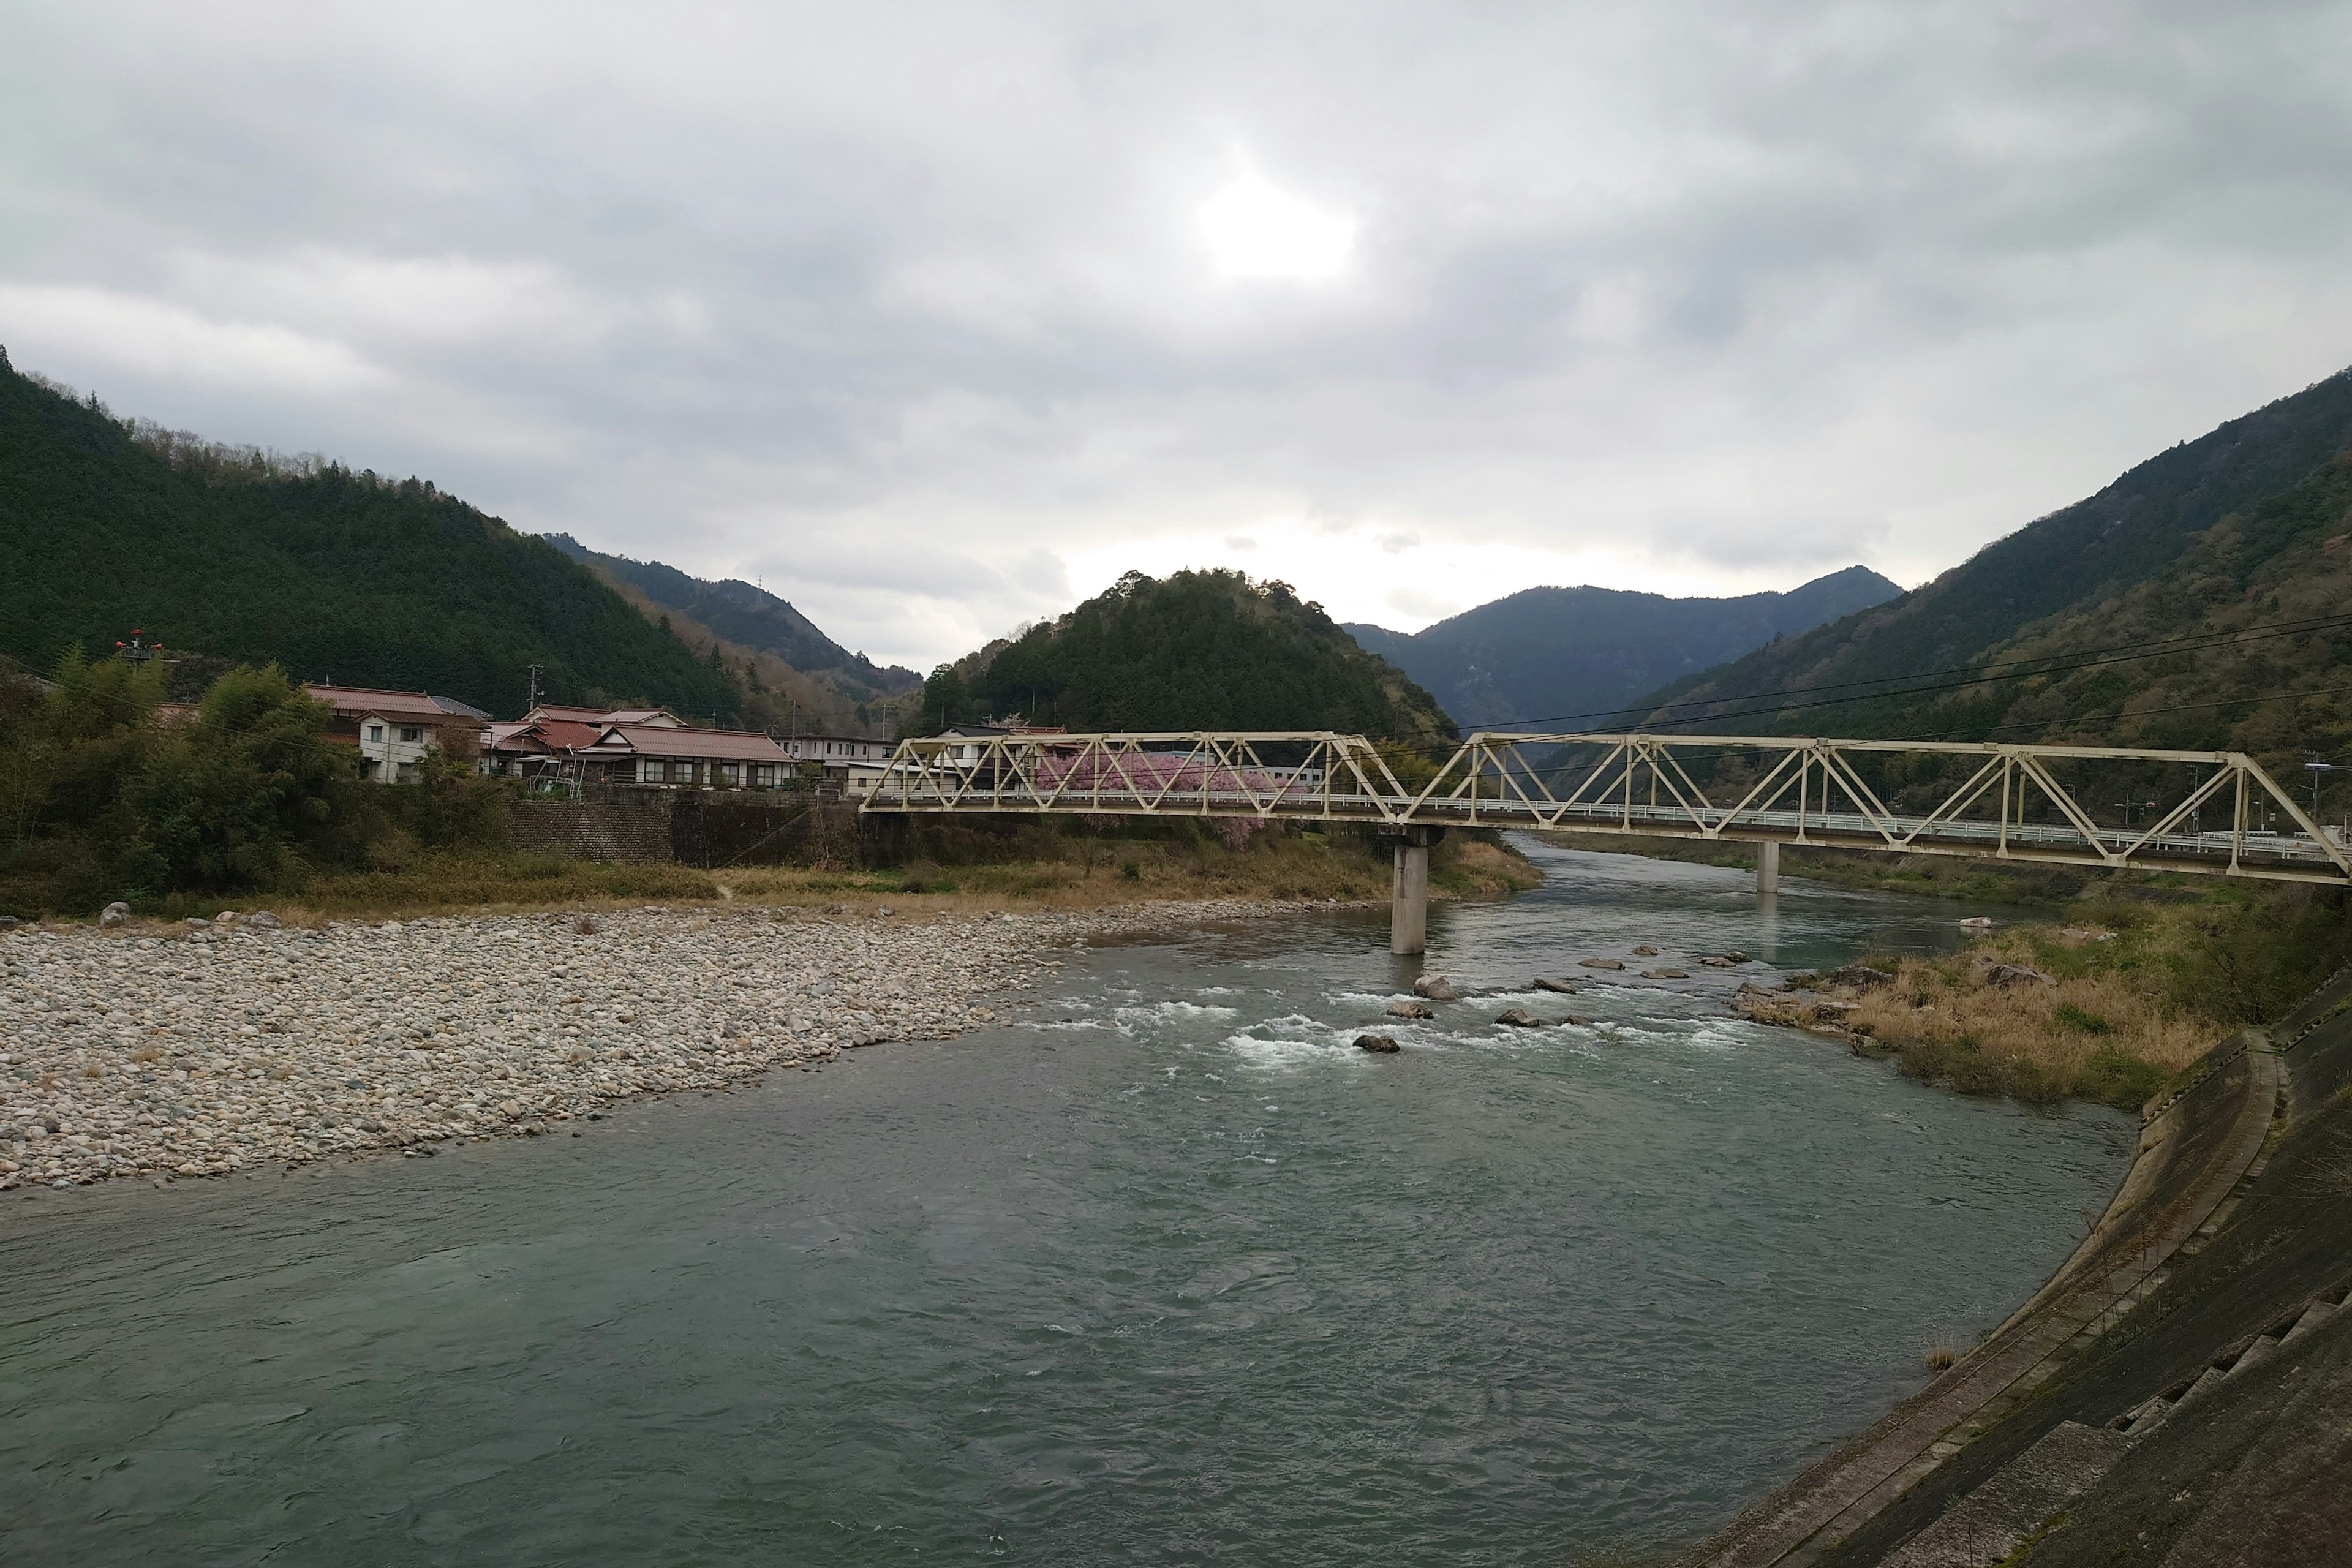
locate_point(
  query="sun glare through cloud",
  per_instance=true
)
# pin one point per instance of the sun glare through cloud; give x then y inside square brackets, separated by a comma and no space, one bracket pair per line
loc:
[1256,231]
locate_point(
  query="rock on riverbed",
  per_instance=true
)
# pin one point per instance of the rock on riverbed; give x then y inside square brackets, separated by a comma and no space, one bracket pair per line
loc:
[249,1045]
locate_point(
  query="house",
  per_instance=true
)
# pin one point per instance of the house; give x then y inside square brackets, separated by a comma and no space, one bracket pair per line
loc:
[838,756]
[632,745]
[533,747]
[658,718]
[392,731]
[707,759]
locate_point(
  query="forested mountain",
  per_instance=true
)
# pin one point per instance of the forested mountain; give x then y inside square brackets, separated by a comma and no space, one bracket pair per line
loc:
[2247,634]
[2213,540]
[107,525]
[1195,650]
[751,618]
[1578,653]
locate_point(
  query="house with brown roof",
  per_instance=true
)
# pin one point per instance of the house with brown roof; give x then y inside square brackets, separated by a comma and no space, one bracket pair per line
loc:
[634,745]
[660,717]
[394,731]
[706,759]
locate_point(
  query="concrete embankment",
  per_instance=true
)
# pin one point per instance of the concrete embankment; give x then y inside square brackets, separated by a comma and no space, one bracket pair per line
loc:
[2177,1393]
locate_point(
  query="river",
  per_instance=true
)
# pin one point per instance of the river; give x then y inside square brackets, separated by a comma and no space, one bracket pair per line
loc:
[1161,1270]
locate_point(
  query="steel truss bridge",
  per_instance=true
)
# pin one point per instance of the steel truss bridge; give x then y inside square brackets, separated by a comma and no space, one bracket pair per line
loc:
[2207,812]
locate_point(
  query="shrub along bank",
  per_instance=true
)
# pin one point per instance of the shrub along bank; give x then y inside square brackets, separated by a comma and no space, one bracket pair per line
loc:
[2109,1008]
[106,793]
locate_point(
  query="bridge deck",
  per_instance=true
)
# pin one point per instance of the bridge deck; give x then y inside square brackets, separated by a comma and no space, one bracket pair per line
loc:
[2010,803]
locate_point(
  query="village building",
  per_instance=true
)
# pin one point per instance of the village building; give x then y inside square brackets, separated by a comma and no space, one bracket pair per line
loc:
[703,759]
[556,744]
[839,755]
[394,731]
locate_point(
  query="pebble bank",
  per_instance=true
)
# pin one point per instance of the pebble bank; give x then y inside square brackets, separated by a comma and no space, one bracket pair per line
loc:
[245,1043]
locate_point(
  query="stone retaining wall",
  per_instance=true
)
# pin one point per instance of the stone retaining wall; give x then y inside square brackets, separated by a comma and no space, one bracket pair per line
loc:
[629,832]
[689,827]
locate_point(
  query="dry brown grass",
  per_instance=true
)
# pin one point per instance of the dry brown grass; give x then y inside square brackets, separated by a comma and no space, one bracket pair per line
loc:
[2107,1033]
[1083,875]
[2057,1025]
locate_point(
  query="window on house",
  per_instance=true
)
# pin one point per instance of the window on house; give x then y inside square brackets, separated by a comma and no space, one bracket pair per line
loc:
[727,773]
[375,731]
[412,732]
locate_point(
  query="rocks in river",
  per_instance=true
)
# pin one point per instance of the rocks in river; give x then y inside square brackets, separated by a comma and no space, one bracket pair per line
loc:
[1646,951]
[1574,1021]
[1719,961]
[1977,923]
[1518,1018]
[1403,1009]
[1992,971]
[114,914]
[254,1042]
[1435,987]
[1379,1044]
[1562,987]
[1602,963]
[1664,975]
[1861,976]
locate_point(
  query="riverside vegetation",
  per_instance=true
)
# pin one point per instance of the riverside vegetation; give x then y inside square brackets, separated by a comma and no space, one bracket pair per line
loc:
[102,800]
[2111,1007]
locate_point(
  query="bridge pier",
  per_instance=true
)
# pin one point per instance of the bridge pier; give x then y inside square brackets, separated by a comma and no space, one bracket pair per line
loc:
[1409,891]
[1767,868]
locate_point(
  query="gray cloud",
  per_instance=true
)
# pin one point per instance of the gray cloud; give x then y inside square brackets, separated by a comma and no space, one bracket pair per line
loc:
[908,311]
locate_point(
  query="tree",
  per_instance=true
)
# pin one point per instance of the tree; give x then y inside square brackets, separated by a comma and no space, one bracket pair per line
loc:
[234,800]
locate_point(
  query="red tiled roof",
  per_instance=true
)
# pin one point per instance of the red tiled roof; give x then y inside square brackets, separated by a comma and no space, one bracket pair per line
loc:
[546,735]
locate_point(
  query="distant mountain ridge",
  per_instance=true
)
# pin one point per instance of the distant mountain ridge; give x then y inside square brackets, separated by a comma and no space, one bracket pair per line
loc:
[751,617]
[1553,654]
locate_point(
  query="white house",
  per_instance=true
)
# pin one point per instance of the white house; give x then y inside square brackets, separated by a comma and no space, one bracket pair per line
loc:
[394,731]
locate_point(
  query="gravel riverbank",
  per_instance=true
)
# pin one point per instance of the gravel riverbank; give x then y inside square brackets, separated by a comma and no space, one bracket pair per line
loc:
[201,1052]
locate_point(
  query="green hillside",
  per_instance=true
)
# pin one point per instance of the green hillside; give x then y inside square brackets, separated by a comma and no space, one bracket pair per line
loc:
[331,574]
[752,617]
[2214,539]
[2251,629]
[1196,650]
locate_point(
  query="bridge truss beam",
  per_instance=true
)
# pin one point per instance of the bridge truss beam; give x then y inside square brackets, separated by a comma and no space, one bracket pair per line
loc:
[2009,803]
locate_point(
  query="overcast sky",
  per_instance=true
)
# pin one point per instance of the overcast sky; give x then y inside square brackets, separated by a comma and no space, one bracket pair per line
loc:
[936,317]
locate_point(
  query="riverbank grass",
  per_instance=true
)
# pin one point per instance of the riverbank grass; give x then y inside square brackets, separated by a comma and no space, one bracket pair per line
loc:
[2109,1007]
[1044,872]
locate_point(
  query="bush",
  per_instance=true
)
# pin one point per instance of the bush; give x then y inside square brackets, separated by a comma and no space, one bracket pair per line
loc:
[232,800]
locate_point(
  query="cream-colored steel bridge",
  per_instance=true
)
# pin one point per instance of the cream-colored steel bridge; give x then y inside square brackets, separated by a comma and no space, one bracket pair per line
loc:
[2011,803]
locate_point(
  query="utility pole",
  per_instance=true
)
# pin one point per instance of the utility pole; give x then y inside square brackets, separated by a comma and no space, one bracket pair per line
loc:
[2315,769]
[534,689]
